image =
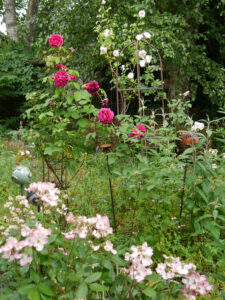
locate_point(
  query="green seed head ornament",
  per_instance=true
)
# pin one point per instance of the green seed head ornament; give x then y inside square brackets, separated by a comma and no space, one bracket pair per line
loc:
[21,175]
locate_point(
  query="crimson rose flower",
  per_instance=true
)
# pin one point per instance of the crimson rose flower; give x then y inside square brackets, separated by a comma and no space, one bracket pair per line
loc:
[72,77]
[61,79]
[92,87]
[105,115]
[55,40]
[60,66]
[138,132]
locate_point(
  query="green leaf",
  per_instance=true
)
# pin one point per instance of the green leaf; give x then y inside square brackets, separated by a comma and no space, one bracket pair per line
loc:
[74,277]
[112,160]
[24,289]
[83,122]
[187,151]
[202,195]
[69,98]
[45,289]
[35,276]
[93,277]
[98,287]
[215,214]
[34,295]
[149,292]
[82,290]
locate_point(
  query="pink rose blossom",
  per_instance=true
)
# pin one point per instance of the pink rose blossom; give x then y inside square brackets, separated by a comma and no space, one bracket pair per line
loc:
[105,102]
[105,115]
[72,77]
[138,132]
[55,40]
[92,87]
[60,66]
[61,79]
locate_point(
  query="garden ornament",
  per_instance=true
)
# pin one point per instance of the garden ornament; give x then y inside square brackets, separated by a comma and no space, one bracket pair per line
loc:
[33,199]
[21,175]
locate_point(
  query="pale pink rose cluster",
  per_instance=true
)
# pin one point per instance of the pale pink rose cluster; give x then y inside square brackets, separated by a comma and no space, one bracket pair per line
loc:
[35,238]
[97,226]
[46,192]
[194,283]
[144,58]
[141,258]
[107,246]
[16,215]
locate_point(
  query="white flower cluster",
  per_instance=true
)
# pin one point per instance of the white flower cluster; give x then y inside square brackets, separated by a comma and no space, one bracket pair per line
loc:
[46,192]
[140,259]
[213,151]
[198,126]
[193,282]
[146,35]
[24,153]
[97,226]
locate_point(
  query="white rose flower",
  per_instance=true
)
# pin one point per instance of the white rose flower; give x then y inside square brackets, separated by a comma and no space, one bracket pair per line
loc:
[142,63]
[198,125]
[142,54]
[123,67]
[148,59]
[139,37]
[107,32]
[116,53]
[103,50]
[141,13]
[103,2]
[130,75]
[147,35]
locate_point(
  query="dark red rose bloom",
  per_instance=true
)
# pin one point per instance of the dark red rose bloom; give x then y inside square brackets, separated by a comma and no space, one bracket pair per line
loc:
[92,87]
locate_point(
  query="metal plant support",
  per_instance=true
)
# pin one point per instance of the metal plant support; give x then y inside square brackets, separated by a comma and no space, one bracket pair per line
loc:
[119,91]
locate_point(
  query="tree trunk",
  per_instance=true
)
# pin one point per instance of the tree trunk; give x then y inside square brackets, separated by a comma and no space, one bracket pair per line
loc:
[31,19]
[10,19]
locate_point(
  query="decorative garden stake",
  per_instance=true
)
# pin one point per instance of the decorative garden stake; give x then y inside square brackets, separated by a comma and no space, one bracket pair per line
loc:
[182,194]
[188,140]
[111,193]
[21,175]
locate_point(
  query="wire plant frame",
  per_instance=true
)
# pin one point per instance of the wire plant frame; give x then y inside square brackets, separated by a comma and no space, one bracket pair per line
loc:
[120,100]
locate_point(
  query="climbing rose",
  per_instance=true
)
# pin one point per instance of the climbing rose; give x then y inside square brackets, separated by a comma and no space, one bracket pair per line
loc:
[61,79]
[55,40]
[105,115]
[92,87]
